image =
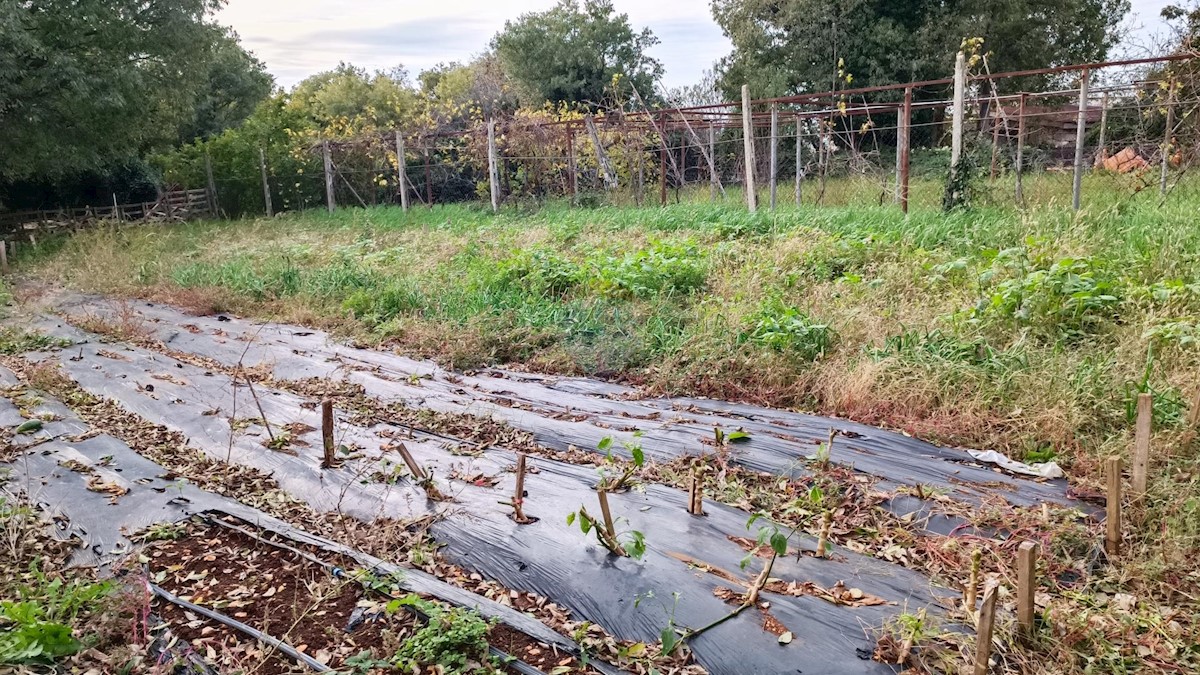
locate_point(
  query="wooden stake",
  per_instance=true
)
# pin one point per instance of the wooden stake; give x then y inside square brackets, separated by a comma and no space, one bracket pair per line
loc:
[327,154]
[327,434]
[519,491]
[3,256]
[1194,413]
[401,171]
[774,151]
[610,528]
[414,468]
[1141,447]
[987,621]
[748,149]
[972,589]
[1080,139]
[266,182]
[1112,540]
[1027,554]
[905,148]
[493,172]
[1020,147]
[823,538]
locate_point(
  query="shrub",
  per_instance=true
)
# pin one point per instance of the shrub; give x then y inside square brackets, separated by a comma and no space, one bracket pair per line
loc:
[787,329]
[376,307]
[1067,299]
[665,267]
[541,272]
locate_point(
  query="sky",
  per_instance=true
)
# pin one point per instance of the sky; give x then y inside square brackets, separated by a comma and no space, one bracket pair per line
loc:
[297,38]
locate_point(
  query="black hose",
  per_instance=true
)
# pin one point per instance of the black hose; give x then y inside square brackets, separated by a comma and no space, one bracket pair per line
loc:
[239,626]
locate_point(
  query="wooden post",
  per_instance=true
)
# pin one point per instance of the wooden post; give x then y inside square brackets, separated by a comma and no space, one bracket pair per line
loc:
[1020,147]
[905,153]
[639,192]
[1112,540]
[116,208]
[1027,554]
[213,206]
[1141,447]
[330,200]
[428,180]
[266,182]
[572,179]
[493,172]
[3,256]
[327,434]
[606,168]
[414,468]
[960,110]
[401,171]
[995,141]
[662,168]
[1102,141]
[748,149]
[682,178]
[799,159]
[774,151]
[1080,139]
[987,622]
[1166,148]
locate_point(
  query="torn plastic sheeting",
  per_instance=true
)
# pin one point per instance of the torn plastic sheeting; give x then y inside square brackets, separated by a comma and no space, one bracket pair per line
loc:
[102,522]
[778,438]
[547,557]
[1041,470]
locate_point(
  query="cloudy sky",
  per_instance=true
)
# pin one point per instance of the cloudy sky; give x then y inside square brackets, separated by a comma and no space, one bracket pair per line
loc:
[297,38]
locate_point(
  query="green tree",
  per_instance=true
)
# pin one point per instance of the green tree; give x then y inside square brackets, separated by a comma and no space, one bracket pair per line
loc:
[348,99]
[783,48]
[84,83]
[236,82]
[573,51]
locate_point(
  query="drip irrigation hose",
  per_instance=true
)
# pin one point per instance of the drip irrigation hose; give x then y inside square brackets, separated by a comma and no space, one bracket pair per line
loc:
[507,659]
[239,626]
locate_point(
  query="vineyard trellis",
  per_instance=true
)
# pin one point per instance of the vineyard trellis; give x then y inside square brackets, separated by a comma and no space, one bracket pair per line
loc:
[1130,124]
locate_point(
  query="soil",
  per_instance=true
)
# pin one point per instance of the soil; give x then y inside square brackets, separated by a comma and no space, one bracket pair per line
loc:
[294,599]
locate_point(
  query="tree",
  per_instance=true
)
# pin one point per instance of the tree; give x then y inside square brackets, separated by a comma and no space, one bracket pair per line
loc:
[85,83]
[574,53]
[348,100]
[236,82]
[783,48]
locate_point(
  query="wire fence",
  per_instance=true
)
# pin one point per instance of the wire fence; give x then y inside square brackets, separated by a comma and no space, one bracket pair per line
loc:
[1091,134]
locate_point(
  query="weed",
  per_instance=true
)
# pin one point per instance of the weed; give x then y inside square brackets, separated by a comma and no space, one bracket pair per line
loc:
[454,639]
[18,341]
[787,329]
